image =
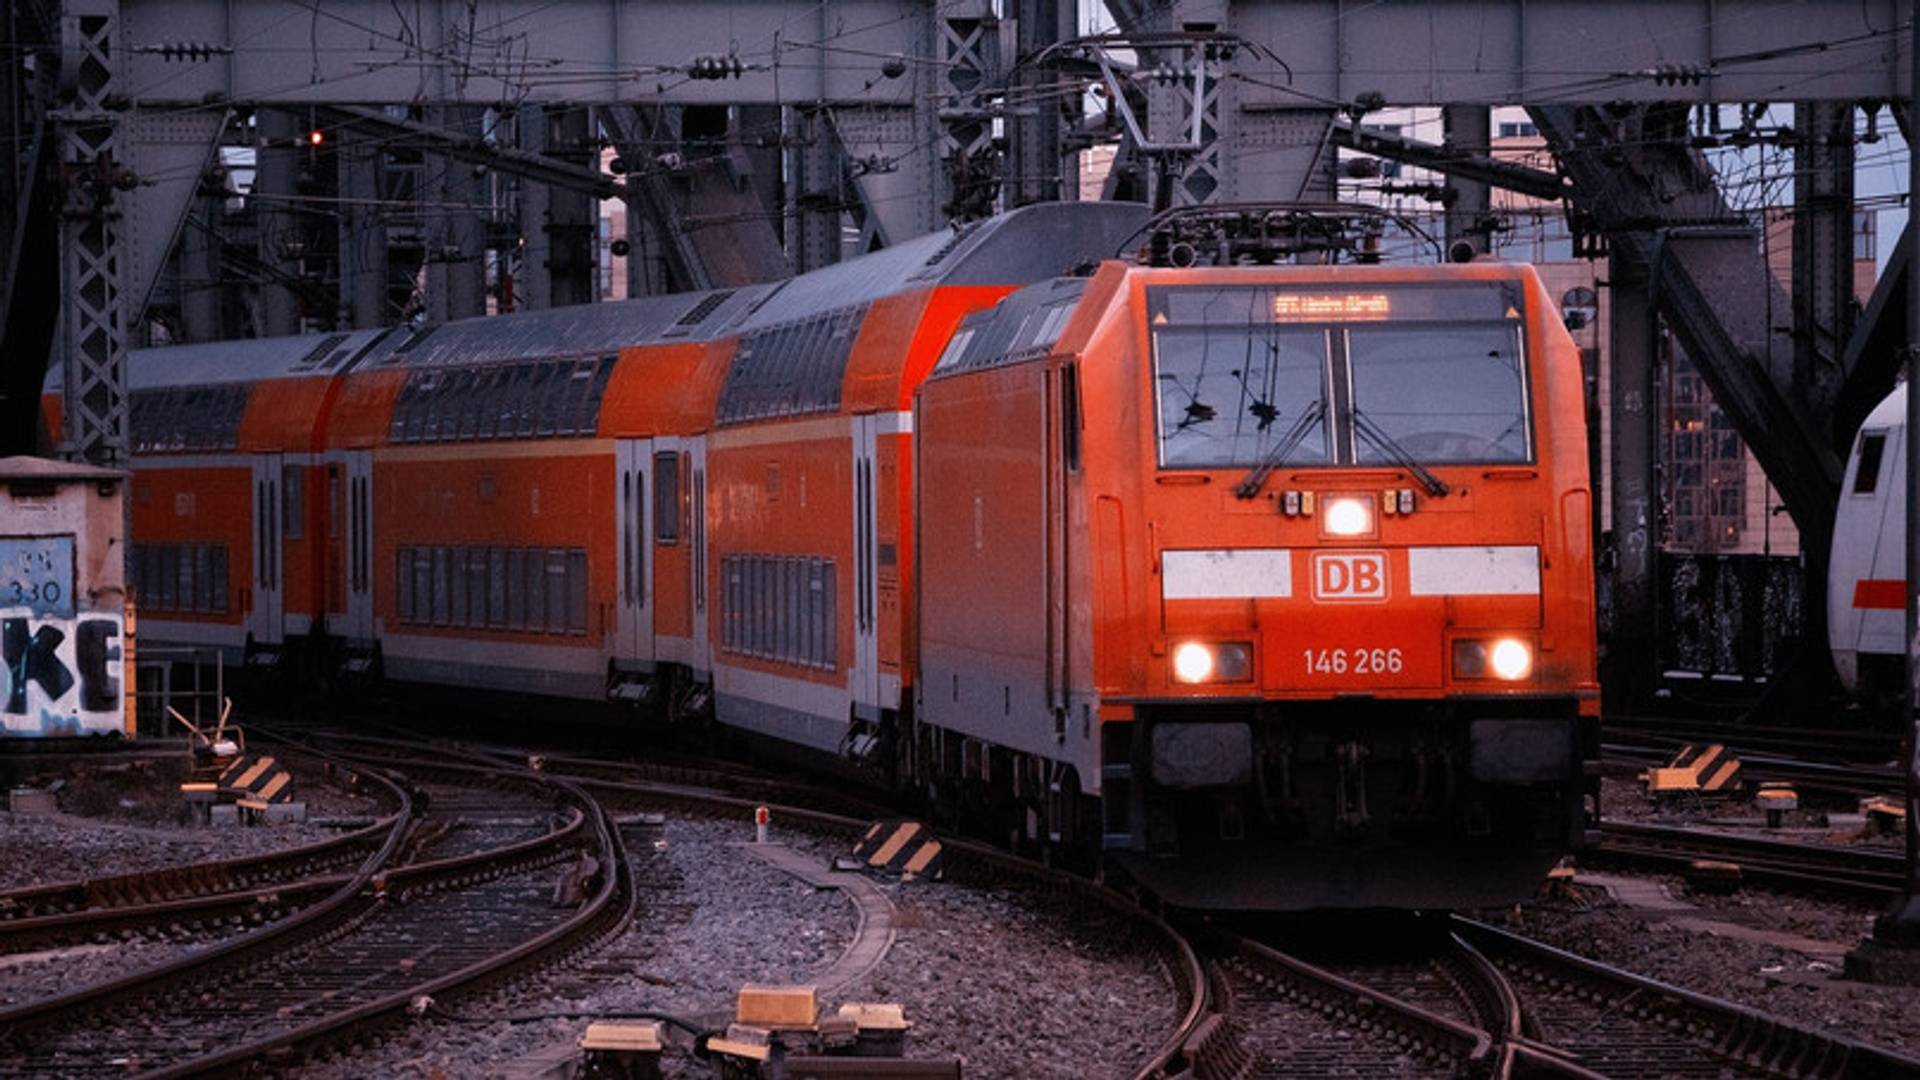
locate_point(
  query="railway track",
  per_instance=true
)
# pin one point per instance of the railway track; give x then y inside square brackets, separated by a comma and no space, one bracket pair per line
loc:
[1830,745]
[424,915]
[1465,999]
[1784,862]
[210,896]
[1847,762]
[391,934]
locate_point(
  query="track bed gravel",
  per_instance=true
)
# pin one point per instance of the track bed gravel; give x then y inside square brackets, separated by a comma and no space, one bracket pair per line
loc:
[123,818]
[1797,986]
[27,977]
[1014,990]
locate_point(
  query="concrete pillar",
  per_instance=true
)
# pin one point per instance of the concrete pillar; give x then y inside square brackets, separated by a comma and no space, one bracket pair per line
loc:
[280,242]
[363,235]
[1634,337]
[1468,129]
[456,266]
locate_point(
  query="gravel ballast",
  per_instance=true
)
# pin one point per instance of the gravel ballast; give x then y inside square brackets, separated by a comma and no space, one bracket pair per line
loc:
[998,979]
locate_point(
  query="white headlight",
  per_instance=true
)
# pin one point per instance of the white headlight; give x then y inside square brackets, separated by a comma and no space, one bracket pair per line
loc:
[1511,658]
[1349,517]
[1192,662]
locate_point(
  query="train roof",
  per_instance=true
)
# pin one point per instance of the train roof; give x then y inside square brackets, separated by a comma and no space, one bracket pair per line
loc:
[1891,412]
[1026,244]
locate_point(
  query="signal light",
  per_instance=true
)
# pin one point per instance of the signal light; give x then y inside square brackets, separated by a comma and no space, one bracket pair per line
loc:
[1349,516]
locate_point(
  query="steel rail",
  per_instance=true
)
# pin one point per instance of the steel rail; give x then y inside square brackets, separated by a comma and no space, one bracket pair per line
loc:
[605,912]
[79,1005]
[1743,1037]
[247,873]
[1869,873]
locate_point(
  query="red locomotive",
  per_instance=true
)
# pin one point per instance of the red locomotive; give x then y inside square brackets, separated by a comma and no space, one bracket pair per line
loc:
[1272,581]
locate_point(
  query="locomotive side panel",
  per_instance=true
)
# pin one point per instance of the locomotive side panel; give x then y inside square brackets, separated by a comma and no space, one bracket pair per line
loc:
[984,509]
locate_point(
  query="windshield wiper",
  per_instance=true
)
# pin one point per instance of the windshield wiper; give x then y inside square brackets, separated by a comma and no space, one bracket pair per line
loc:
[1256,477]
[1396,453]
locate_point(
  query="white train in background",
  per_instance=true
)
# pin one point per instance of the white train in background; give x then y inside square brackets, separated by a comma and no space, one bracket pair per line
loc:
[1867,578]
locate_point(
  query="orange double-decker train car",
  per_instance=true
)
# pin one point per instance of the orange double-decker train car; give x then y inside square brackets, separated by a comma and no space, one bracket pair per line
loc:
[1276,579]
[1272,582]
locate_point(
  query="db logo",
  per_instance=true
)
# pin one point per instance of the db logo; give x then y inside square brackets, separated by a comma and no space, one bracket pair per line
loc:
[1350,575]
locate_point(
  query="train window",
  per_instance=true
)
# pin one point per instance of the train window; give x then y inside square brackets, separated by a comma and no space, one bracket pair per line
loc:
[184,585]
[536,581]
[730,603]
[174,577]
[576,592]
[791,369]
[336,508]
[1235,394]
[457,587]
[423,585]
[293,501]
[442,599]
[202,578]
[556,618]
[830,638]
[666,498]
[403,583]
[1873,448]
[497,587]
[516,589]
[463,413]
[1070,416]
[956,349]
[217,578]
[478,565]
[534,418]
[1438,393]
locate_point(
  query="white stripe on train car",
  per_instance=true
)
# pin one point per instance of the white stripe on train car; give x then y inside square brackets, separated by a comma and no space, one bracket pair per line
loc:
[1226,573]
[1473,571]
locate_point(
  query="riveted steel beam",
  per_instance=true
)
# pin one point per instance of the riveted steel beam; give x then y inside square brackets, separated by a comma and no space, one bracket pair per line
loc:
[94,377]
[1661,209]
[1511,175]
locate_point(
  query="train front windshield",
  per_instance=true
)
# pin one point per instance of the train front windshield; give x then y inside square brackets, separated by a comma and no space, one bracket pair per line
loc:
[1309,376]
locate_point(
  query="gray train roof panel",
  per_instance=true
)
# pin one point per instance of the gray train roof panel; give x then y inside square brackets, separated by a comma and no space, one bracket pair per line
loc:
[247,360]
[1029,244]
[578,330]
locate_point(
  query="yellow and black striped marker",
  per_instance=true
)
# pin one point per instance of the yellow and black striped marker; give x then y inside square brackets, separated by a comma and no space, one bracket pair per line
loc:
[1707,770]
[903,847]
[259,778]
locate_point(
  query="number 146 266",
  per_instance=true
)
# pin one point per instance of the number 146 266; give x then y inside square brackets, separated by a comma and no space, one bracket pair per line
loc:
[1358,661]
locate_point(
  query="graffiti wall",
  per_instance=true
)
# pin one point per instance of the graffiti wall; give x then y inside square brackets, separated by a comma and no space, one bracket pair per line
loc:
[63,664]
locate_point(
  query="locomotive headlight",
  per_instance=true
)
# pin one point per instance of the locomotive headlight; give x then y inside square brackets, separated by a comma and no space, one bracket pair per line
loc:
[1349,516]
[1203,662]
[1505,658]
[1193,662]
[1511,658]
